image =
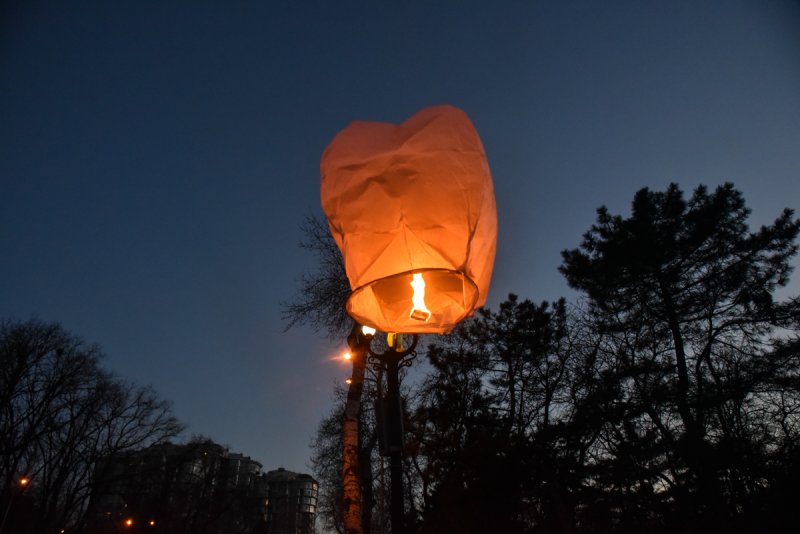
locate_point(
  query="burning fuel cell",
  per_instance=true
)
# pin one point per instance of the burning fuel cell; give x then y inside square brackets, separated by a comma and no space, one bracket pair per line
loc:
[419,311]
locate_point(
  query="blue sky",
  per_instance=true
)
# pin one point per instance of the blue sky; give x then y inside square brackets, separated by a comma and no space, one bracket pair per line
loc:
[156,161]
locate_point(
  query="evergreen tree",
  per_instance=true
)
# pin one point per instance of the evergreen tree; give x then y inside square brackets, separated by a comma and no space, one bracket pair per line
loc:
[683,294]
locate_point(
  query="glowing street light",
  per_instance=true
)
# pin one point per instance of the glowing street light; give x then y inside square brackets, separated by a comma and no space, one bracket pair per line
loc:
[367,331]
[129,522]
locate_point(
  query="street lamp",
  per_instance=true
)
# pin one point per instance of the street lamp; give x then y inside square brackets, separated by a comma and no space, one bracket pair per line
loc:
[412,209]
[389,413]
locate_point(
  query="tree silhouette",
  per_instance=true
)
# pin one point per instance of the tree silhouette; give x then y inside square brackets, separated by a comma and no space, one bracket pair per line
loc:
[665,399]
[60,413]
[320,301]
[498,382]
[683,295]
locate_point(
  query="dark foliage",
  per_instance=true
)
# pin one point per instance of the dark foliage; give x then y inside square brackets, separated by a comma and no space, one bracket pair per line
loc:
[667,399]
[681,300]
[59,414]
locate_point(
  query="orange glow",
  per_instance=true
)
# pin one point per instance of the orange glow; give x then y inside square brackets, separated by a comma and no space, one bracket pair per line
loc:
[152,522]
[347,356]
[24,481]
[411,199]
[348,381]
[129,522]
[419,311]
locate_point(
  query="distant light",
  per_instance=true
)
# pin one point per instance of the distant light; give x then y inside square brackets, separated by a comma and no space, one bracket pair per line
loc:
[368,331]
[152,522]
[348,381]
[347,356]
[24,481]
[129,522]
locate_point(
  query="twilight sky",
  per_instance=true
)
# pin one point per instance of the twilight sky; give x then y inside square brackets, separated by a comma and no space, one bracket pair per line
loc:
[157,160]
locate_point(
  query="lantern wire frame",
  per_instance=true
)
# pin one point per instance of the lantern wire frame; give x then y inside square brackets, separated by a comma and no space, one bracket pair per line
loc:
[450,296]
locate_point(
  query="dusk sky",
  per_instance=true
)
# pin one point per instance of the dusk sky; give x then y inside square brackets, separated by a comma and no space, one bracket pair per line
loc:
[158,158]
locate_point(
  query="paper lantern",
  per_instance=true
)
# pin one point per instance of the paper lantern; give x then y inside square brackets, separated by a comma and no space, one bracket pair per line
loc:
[412,206]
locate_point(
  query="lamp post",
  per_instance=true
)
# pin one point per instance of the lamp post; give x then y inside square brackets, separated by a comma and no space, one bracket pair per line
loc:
[390,412]
[412,209]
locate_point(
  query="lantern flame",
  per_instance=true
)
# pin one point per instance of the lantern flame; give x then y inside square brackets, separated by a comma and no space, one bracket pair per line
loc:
[419,311]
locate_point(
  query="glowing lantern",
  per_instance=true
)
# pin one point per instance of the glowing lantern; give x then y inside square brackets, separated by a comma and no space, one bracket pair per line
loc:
[412,209]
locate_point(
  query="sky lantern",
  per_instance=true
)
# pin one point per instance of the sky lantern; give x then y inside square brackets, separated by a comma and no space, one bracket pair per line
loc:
[412,208]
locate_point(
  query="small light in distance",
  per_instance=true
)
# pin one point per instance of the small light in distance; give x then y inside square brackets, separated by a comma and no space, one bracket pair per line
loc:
[347,356]
[24,481]
[152,522]
[129,522]
[348,381]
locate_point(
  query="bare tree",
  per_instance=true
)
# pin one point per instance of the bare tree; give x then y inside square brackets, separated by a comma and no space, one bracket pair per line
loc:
[320,301]
[60,413]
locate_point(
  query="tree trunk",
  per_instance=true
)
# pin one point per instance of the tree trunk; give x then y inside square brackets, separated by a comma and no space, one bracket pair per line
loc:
[350,469]
[682,393]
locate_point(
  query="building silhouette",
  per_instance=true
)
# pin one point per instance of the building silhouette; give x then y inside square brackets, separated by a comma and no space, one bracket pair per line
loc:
[292,502]
[199,488]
